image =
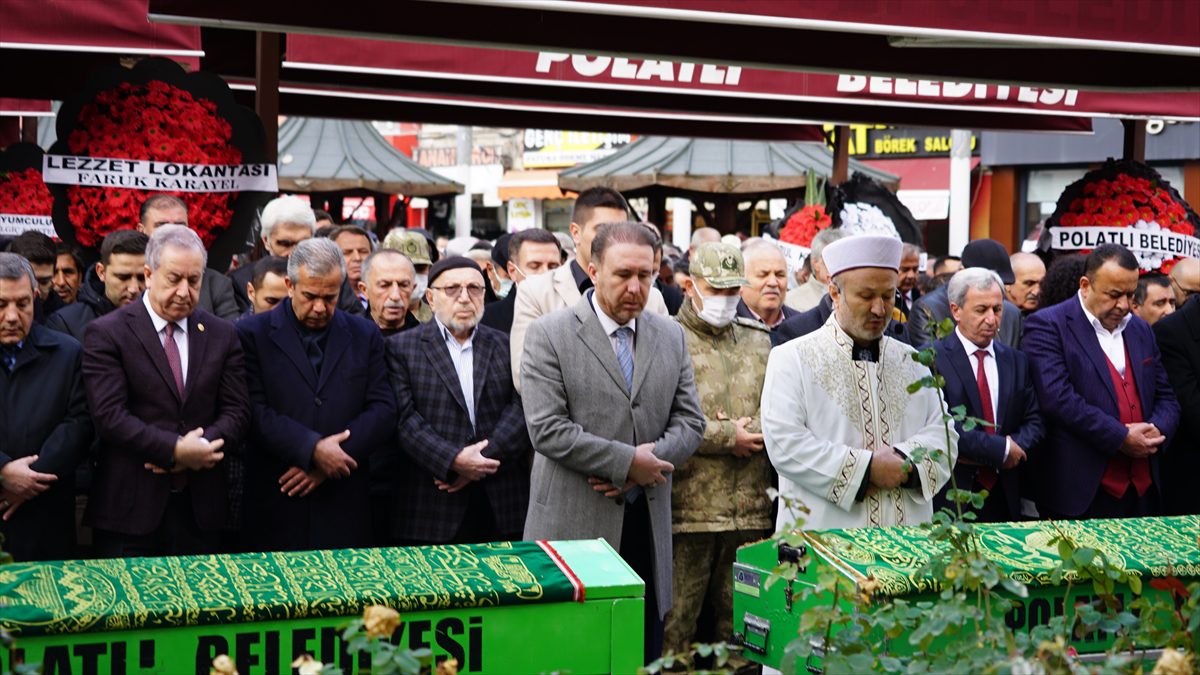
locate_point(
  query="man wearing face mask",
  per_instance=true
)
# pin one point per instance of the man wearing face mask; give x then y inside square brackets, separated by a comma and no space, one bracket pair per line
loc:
[720,498]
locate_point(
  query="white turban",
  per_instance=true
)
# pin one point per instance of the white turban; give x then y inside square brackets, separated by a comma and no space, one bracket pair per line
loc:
[866,250]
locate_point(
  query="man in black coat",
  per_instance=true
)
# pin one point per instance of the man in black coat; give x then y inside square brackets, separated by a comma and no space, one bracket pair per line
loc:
[117,280]
[530,253]
[1178,337]
[44,426]
[321,406]
[935,306]
[464,475]
[973,363]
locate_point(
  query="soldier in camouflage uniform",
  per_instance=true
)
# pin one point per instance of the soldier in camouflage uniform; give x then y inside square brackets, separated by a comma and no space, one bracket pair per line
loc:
[719,500]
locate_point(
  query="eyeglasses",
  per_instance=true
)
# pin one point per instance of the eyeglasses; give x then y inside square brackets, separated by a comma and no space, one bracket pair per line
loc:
[1187,292]
[475,291]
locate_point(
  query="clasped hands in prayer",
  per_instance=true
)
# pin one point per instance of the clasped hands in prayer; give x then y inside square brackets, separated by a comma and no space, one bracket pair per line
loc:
[646,470]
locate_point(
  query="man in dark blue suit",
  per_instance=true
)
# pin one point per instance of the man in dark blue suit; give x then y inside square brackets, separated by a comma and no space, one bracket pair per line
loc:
[464,472]
[1104,395]
[992,381]
[321,404]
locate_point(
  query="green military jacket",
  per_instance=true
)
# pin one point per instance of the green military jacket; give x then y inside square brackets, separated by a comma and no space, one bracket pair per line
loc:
[716,491]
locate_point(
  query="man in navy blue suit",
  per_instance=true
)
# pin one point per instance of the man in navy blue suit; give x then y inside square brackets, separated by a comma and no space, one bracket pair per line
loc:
[463,453]
[992,381]
[1104,394]
[321,405]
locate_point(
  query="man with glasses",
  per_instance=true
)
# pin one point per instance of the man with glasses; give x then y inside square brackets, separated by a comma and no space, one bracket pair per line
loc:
[1185,279]
[461,473]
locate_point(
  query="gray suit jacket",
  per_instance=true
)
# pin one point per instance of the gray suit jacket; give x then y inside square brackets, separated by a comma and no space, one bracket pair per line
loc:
[934,307]
[583,422]
[216,295]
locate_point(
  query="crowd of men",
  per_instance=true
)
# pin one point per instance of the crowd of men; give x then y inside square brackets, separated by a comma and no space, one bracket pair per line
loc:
[344,392]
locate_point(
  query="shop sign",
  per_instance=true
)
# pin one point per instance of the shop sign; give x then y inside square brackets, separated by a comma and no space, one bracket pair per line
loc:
[881,142]
[546,148]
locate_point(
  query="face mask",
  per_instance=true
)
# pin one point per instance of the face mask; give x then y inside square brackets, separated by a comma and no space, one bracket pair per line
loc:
[505,286]
[420,282]
[719,310]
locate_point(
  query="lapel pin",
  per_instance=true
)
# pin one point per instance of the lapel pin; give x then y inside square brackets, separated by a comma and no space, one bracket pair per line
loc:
[200,327]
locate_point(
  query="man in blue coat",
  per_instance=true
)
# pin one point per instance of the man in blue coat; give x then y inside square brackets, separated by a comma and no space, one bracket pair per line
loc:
[991,380]
[321,404]
[1104,394]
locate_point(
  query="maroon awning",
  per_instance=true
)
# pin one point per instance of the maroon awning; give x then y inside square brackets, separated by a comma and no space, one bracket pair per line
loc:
[312,101]
[831,97]
[48,48]
[22,107]
[1130,44]
[111,26]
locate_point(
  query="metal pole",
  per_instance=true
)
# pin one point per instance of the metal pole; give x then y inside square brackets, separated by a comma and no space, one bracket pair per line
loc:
[1135,140]
[462,203]
[960,190]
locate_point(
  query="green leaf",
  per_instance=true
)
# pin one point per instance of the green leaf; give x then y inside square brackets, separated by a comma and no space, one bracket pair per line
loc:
[1015,587]
[1135,584]
[407,662]
[914,387]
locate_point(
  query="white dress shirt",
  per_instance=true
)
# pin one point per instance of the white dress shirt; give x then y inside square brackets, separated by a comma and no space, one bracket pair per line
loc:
[610,324]
[463,357]
[990,371]
[1111,343]
[181,334]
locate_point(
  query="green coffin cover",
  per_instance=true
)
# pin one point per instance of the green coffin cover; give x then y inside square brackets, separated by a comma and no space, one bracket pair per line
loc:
[137,593]
[894,556]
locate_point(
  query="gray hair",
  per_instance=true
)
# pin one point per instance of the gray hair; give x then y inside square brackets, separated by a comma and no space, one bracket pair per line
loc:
[384,252]
[318,256]
[287,209]
[13,267]
[705,234]
[824,238]
[177,236]
[909,250]
[758,248]
[979,278]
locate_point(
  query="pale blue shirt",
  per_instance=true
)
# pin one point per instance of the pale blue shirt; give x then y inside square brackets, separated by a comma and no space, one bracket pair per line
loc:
[181,334]
[463,357]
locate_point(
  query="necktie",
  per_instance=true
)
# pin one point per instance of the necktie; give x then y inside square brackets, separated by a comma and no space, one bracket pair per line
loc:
[625,354]
[9,353]
[173,359]
[625,359]
[986,475]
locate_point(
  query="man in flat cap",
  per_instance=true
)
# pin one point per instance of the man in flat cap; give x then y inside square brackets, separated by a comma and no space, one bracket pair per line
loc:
[837,417]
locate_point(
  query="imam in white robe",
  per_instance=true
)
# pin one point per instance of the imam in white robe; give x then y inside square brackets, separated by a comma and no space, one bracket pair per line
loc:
[822,415]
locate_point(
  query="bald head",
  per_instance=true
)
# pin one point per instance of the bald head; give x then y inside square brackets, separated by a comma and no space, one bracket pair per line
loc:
[1185,279]
[1028,272]
[703,235]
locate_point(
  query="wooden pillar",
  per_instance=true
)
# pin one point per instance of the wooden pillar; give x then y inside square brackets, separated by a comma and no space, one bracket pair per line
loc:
[1191,184]
[266,92]
[726,220]
[656,211]
[841,155]
[1135,140]
[29,130]
[1005,209]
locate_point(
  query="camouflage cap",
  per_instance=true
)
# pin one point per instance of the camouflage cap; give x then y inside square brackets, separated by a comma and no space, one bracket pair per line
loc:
[719,264]
[412,244]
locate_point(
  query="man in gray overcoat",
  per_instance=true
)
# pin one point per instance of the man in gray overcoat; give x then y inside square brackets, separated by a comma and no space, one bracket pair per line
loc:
[611,408]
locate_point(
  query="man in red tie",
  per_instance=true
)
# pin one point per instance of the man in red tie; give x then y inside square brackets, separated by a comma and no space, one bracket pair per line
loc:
[167,390]
[1108,406]
[992,381]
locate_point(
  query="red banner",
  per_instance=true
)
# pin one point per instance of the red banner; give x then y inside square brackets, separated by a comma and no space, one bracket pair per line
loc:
[1041,108]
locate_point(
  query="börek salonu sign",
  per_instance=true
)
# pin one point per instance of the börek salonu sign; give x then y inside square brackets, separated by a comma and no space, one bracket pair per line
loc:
[1171,244]
[141,174]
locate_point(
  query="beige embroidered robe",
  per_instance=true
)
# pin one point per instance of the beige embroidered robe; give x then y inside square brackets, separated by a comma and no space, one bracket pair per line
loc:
[823,413]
